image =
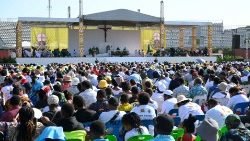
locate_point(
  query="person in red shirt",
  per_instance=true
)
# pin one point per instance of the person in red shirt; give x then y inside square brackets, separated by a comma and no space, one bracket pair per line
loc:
[189,128]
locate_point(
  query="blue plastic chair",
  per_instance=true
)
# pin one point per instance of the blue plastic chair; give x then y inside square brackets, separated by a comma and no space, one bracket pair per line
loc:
[146,123]
[114,128]
[177,121]
[240,108]
[200,118]
[174,112]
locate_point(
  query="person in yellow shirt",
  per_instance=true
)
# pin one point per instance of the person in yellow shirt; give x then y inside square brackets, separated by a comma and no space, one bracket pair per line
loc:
[125,106]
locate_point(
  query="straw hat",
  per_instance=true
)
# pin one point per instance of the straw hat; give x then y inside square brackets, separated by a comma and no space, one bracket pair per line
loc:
[67,78]
[223,86]
[103,84]
[181,98]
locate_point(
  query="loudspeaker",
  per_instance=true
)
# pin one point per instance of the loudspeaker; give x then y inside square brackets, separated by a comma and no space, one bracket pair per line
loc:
[236,42]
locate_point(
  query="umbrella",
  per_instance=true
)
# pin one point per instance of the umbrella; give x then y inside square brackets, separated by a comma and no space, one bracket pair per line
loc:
[200,60]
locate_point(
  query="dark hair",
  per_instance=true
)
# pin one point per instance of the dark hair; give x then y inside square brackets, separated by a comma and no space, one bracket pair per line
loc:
[189,124]
[125,86]
[114,83]
[86,84]
[235,79]
[212,102]
[113,102]
[132,82]
[133,120]
[148,84]
[181,80]
[78,101]
[135,90]
[165,128]
[16,90]
[57,88]
[97,128]
[149,91]
[109,92]
[101,94]
[124,98]
[15,100]
[234,90]
[67,110]
[68,95]
[143,98]
[216,80]
[26,127]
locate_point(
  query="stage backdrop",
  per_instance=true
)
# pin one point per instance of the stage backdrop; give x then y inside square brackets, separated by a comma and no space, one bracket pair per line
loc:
[52,38]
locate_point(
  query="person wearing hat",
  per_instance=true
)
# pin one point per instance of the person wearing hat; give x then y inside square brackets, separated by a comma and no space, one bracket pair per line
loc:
[236,130]
[208,130]
[217,112]
[53,104]
[187,107]
[66,82]
[222,96]
[163,131]
[158,94]
[73,88]
[103,84]
[169,102]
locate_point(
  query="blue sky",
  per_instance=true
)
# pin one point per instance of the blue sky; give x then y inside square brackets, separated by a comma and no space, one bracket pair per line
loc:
[232,12]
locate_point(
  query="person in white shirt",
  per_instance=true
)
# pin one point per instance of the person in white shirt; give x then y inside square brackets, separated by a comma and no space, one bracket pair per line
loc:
[169,102]
[88,94]
[158,94]
[186,107]
[222,96]
[113,112]
[131,124]
[217,112]
[144,110]
[236,97]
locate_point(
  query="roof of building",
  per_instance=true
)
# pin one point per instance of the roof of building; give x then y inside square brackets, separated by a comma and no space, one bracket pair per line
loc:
[187,23]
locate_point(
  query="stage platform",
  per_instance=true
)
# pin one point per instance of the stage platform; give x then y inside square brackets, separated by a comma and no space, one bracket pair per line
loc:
[45,61]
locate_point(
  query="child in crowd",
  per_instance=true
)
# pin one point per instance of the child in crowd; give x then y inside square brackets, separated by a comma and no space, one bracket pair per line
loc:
[189,128]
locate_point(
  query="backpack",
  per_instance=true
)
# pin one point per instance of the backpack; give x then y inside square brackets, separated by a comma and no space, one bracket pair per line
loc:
[240,134]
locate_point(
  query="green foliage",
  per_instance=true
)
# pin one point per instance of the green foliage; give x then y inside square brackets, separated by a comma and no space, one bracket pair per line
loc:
[8,60]
[229,58]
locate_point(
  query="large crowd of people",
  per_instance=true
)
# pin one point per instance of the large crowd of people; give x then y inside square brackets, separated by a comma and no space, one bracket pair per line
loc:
[38,101]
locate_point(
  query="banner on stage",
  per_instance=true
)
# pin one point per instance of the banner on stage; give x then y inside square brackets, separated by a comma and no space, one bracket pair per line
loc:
[49,38]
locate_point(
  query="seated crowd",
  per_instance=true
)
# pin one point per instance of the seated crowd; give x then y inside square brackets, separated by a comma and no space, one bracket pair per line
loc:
[55,101]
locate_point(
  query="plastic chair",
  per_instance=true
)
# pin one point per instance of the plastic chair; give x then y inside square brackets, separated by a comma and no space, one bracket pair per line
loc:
[240,108]
[177,121]
[223,131]
[78,135]
[146,123]
[174,112]
[111,137]
[114,128]
[198,138]
[177,133]
[200,118]
[141,138]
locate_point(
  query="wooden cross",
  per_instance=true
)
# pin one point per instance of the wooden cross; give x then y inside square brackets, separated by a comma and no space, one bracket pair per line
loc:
[105,29]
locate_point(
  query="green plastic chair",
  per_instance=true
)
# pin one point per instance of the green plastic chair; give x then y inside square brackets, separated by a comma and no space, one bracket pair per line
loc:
[178,133]
[78,135]
[223,131]
[198,138]
[141,138]
[111,137]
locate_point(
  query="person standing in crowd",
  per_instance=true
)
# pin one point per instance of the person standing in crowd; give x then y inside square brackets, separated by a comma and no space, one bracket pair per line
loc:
[163,131]
[158,94]
[113,113]
[217,112]
[175,82]
[88,94]
[214,89]
[131,122]
[169,102]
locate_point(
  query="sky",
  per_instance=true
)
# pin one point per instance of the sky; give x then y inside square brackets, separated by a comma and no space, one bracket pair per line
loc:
[233,13]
